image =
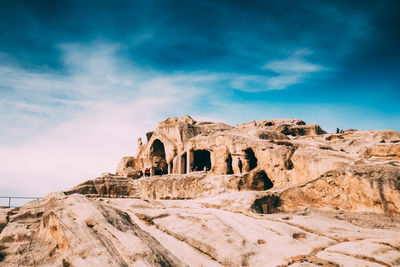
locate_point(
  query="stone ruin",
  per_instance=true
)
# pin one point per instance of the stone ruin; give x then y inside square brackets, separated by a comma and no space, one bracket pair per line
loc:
[289,163]
[182,145]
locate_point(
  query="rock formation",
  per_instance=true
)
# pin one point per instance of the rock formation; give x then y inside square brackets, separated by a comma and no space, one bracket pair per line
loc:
[299,164]
[262,193]
[73,230]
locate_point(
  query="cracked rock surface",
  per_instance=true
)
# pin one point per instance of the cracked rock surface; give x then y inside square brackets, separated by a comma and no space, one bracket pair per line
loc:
[73,230]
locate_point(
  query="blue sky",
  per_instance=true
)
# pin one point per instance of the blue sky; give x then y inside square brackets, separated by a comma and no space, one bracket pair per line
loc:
[81,80]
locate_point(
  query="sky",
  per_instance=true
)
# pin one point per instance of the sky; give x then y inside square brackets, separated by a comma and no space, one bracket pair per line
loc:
[81,80]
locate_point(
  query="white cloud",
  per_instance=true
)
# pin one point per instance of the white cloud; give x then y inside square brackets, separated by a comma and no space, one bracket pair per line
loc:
[74,127]
[289,71]
[284,80]
[292,70]
[291,65]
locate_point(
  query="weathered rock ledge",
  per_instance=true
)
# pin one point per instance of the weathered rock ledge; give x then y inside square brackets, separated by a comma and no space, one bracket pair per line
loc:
[172,186]
[356,188]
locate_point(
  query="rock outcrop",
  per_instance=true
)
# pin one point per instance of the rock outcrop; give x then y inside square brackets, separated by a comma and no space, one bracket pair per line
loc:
[300,165]
[75,231]
[262,193]
[355,188]
[190,186]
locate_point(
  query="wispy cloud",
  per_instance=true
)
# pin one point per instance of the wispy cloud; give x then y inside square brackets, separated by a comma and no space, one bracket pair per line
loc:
[291,70]
[63,128]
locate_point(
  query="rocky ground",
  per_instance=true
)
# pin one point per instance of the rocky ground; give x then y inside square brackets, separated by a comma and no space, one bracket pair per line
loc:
[73,230]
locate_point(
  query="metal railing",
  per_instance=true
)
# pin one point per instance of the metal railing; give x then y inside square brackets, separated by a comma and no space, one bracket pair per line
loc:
[21,198]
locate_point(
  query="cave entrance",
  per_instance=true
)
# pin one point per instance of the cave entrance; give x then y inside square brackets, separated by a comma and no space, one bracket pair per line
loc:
[183,164]
[258,181]
[261,181]
[157,155]
[229,169]
[250,159]
[202,160]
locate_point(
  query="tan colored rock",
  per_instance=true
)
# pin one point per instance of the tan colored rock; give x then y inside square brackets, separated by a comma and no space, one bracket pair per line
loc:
[255,180]
[357,188]
[273,122]
[107,186]
[261,155]
[271,135]
[126,167]
[177,142]
[300,130]
[76,231]
[384,150]
[309,163]
[3,218]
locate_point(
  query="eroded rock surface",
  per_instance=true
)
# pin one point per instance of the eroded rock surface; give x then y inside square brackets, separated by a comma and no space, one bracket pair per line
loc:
[288,151]
[298,165]
[71,230]
[369,188]
[76,231]
[358,188]
[190,186]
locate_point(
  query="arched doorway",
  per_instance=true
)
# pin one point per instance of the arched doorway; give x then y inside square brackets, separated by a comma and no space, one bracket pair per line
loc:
[202,160]
[250,159]
[229,169]
[157,155]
